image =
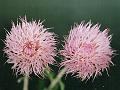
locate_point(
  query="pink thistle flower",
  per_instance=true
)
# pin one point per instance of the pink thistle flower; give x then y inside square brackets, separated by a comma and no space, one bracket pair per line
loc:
[30,47]
[87,51]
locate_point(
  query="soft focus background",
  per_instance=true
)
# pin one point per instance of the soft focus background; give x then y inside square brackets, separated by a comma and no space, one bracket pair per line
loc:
[61,15]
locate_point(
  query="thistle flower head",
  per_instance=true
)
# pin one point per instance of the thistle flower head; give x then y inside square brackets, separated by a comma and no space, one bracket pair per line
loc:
[30,47]
[87,51]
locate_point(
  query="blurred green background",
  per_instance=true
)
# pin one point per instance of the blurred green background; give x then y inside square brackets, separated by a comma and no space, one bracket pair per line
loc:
[62,14]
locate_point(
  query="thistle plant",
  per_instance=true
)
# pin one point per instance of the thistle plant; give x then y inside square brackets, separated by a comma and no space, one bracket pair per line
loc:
[31,48]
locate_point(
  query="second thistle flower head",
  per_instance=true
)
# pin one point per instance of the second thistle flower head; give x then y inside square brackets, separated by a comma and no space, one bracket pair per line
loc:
[30,47]
[87,51]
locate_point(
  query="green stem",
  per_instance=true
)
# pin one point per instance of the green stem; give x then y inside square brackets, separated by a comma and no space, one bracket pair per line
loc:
[56,80]
[61,85]
[49,75]
[25,83]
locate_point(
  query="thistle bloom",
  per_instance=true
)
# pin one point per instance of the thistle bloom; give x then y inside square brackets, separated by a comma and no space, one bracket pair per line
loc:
[87,51]
[30,47]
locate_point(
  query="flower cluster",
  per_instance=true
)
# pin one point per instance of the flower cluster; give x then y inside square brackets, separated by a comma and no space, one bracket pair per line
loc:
[30,47]
[87,51]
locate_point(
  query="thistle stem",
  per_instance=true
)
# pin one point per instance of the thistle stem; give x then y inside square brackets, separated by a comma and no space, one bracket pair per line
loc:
[56,80]
[25,83]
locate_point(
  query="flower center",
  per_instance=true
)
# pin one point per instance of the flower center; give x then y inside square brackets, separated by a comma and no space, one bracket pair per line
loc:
[30,48]
[87,49]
